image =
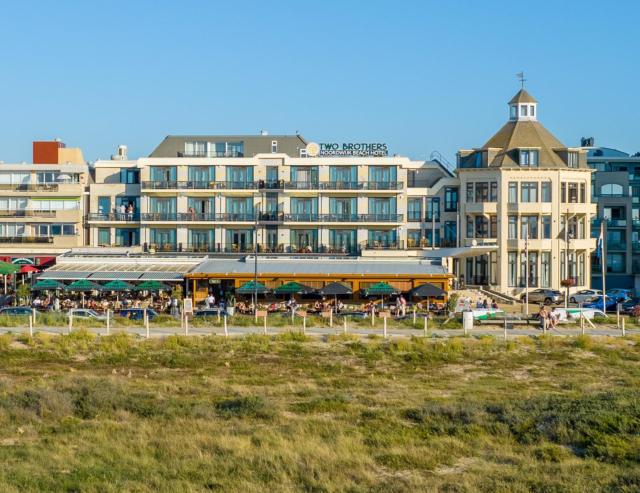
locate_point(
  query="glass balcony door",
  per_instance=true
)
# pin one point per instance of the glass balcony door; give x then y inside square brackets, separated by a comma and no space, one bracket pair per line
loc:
[382,238]
[201,240]
[344,207]
[343,240]
[239,176]
[127,237]
[240,240]
[304,240]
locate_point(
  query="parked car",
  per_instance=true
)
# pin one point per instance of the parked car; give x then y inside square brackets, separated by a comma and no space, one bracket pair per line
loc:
[546,296]
[630,306]
[620,294]
[585,296]
[87,314]
[16,311]
[208,312]
[610,304]
[137,313]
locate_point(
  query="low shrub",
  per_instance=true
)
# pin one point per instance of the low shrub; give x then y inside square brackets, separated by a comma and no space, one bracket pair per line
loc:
[245,407]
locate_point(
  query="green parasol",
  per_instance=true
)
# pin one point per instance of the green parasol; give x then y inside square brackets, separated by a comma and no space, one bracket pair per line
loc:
[118,285]
[151,286]
[46,284]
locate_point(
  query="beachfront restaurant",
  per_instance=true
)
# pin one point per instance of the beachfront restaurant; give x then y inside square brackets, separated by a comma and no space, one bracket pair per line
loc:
[222,275]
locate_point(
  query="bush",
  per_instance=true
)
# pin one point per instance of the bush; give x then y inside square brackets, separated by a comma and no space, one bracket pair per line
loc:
[245,407]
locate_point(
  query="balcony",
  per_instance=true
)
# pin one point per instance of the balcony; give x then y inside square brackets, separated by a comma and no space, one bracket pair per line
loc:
[28,187]
[471,242]
[210,154]
[26,239]
[195,216]
[114,216]
[616,246]
[26,213]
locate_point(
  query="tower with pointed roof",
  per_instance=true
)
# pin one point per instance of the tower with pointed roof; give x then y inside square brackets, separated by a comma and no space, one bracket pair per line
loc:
[525,207]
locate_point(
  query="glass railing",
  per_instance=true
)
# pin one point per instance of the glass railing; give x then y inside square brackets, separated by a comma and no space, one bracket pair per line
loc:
[113,216]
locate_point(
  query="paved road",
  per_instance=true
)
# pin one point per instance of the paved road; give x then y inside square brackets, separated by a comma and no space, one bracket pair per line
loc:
[325,331]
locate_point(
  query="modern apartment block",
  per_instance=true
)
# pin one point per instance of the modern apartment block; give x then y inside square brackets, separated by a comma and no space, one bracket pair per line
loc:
[227,194]
[616,191]
[526,199]
[42,207]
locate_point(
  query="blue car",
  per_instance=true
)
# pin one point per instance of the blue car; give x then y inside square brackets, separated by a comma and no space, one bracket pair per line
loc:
[610,304]
[619,294]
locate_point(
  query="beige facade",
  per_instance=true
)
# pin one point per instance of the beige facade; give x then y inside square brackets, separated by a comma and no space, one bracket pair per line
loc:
[335,205]
[527,198]
[42,208]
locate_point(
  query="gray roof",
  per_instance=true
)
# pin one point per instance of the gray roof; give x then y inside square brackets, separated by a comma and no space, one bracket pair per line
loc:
[173,145]
[319,266]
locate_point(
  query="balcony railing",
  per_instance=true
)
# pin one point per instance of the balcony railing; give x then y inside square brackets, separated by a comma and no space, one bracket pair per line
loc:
[635,245]
[210,154]
[26,239]
[616,245]
[199,185]
[341,185]
[382,245]
[196,216]
[250,216]
[114,216]
[249,248]
[30,187]
[27,213]
[636,223]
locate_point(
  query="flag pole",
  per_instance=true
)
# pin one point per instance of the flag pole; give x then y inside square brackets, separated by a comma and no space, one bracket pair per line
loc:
[603,261]
[526,269]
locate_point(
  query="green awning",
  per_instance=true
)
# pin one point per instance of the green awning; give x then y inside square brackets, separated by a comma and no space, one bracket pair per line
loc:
[7,268]
[252,287]
[118,285]
[83,285]
[151,286]
[46,284]
[380,289]
[293,288]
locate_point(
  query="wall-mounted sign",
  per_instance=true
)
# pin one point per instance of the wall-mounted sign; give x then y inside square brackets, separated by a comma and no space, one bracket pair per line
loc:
[23,261]
[347,149]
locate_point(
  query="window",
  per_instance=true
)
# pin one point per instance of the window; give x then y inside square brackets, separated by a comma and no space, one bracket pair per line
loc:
[195,149]
[528,157]
[450,233]
[572,192]
[482,192]
[546,227]
[164,173]
[450,199]
[493,194]
[433,209]
[545,269]
[104,237]
[411,178]
[523,110]
[469,226]
[129,176]
[414,209]
[612,189]
[12,230]
[529,191]
[274,146]
[529,227]
[532,110]
[513,192]
[545,191]
[481,227]
[513,228]
[572,159]
[513,268]
[469,192]
[47,177]
[493,226]
[616,262]
[514,112]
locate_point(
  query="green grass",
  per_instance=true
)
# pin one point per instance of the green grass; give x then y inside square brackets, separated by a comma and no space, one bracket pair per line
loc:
[289,413]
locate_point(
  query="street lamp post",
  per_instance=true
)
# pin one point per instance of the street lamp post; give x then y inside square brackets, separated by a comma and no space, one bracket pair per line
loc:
[255,260]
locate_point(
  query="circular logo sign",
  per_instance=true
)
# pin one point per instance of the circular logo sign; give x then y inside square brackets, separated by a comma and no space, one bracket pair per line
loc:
[313,149]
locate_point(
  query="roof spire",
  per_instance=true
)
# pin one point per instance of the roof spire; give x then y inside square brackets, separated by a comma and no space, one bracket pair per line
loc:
[520,76]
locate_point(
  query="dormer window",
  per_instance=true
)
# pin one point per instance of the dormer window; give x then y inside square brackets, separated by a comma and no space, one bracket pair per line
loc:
[572,159]
[528,157]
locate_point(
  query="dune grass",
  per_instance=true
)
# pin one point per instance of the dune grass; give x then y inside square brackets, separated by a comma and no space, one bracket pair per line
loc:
[290,413]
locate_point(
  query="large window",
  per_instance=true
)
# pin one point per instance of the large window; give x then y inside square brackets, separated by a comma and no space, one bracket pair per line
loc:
[433,209]
[482,192]
[572,159]
[546,227]
[469,192]
[545,269]
[129,176]
[513,192]
[529,227]
[528,157]
[513,228]
[616,262]
[545,191]
[414,209]
[612,189]
[513,269]
[450,199]
[529,191]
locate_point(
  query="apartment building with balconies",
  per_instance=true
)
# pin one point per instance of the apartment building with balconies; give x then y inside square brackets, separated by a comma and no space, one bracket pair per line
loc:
[616,191]
[526,198]
[234,194]
[42,207]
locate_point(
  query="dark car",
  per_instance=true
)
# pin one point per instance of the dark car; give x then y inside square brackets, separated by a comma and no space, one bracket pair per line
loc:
[16,311]
[137,313]
[610,304]
[630,306]
[208,312]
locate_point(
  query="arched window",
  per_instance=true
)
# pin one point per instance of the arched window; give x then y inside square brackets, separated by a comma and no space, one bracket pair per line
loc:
[611,189]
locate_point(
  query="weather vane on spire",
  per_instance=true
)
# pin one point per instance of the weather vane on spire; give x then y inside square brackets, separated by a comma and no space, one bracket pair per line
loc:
[520,76]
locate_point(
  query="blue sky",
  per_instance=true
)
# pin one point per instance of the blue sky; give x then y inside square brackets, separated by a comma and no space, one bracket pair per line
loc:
[419,75]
